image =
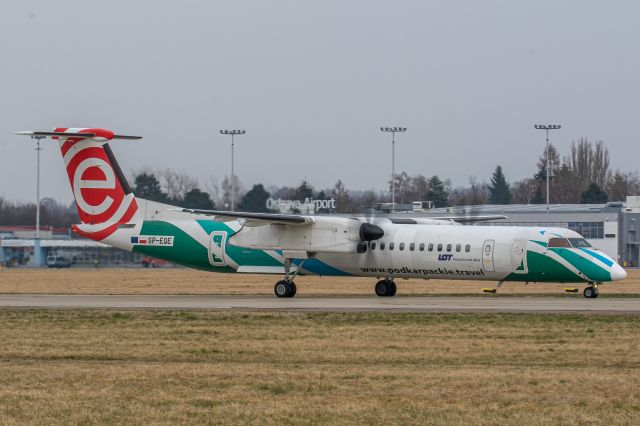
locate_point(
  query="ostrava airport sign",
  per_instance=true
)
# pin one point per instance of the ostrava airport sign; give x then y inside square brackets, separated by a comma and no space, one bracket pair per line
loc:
[308,205]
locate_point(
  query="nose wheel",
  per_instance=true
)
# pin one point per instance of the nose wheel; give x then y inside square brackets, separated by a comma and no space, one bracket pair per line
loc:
[385,288]
[590,292]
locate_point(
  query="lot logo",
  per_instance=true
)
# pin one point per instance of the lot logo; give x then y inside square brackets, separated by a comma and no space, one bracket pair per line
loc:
[445,257]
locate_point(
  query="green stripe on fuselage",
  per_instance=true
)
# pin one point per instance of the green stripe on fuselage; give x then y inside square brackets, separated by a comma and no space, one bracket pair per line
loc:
[544,269]
[189,252]
[242,256]
[589,268]
[185,250]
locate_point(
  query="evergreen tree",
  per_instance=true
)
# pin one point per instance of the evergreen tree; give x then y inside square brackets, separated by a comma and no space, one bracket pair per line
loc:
[437,193]
[255,200]
[197,199]
[304,191]
[499,191]
[593,195]
[147,186]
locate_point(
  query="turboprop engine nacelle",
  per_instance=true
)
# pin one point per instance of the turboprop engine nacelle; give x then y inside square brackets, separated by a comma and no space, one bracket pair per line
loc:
[327,235]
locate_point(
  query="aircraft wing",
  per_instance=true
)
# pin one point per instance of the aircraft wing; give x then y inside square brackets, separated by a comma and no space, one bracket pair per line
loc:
[285,219]
[470,219]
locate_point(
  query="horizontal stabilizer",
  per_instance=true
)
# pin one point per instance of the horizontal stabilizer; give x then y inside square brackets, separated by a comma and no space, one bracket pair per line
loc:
[70,135]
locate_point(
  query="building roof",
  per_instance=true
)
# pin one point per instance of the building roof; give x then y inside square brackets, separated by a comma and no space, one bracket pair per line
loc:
[15,242]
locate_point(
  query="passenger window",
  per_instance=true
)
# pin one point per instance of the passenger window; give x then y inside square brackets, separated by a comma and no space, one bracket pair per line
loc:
[467,248]
[421,246]
[412,246]
[439,247]
[373,245]
[430,246]
[448,247]
[559,242]
[391,246]
[401,246]
[382,245]
[458,247]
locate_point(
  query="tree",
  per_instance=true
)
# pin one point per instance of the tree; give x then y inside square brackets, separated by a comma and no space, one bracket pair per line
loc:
[437,192]
[343,200]
[304,191]
[226,191]
[623,184]
[538,196]
[178,184]
[147,186]
[197,199]
[523,191]
[499,192]
[255,200]
[593,195]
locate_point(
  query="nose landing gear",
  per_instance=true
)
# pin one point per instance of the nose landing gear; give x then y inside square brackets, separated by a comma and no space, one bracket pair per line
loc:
[591,292]
[386,288]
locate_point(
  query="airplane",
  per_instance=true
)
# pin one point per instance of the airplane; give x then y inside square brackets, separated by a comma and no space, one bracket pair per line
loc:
[386,248]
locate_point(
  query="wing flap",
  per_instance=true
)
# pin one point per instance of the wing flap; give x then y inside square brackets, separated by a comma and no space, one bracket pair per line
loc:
[285,219]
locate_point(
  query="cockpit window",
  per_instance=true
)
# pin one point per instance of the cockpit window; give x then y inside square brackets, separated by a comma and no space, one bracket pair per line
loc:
[579,242]
[559,242]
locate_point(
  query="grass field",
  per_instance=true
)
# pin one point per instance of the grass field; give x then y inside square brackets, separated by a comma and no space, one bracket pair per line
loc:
[188,281]
[80,367]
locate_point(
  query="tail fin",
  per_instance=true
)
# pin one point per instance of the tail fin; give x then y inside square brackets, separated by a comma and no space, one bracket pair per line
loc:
[102,194]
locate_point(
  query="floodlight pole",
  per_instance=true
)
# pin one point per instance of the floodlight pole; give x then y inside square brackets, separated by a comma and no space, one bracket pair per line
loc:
[546,128]
[233,183]
[393,131]
[36,244]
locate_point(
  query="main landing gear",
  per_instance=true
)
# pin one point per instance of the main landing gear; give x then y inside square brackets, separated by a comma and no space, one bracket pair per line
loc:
[591,292]
[286,287]
[386,288]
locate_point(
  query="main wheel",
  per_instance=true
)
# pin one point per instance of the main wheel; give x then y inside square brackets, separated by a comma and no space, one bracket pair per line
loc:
[283,289]
[382,287]
[294,289]
[392,289]
[590,292]
[385,288]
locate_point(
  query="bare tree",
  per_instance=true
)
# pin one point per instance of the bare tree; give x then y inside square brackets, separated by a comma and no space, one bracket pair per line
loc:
[522,191]
[623,184]
[177,184]
[589,163]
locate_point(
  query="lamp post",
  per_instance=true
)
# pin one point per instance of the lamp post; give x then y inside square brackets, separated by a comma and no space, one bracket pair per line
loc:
[36,244]
[546,128]
[233,183]
[393,131]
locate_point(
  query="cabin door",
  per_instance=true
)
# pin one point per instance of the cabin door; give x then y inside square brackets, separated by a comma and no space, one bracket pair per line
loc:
[519,257]
[487,255]
[216,248]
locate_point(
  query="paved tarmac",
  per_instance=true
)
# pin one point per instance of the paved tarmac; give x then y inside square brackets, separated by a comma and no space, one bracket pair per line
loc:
[327,304]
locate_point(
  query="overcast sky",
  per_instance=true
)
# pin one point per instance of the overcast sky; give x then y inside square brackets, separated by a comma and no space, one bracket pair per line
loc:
[312,82]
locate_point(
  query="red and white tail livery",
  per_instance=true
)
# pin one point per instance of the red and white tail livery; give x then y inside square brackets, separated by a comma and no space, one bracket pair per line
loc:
[102,194]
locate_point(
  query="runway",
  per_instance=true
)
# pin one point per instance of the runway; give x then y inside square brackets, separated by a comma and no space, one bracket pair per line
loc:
[327,304]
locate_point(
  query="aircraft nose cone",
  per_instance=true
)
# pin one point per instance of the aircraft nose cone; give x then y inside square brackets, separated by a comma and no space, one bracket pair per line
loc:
[617,272]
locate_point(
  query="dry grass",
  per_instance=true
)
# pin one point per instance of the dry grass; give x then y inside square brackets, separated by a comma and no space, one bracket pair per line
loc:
[188,281]
[61,367]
